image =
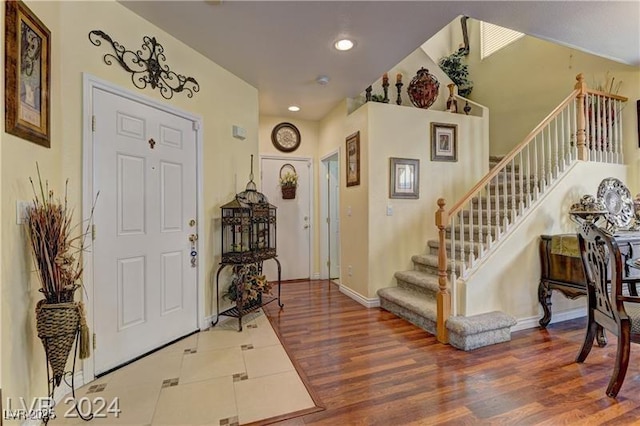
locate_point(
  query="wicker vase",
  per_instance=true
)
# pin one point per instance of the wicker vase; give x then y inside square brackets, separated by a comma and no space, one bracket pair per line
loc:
[57,325]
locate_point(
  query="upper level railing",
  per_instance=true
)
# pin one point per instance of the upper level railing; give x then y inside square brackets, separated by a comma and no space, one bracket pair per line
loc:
[587,125]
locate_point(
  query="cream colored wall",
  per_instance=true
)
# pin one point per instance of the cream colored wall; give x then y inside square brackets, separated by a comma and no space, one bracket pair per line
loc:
[354,210]
[405,132]
[223,100]
[508,280]
[308,149]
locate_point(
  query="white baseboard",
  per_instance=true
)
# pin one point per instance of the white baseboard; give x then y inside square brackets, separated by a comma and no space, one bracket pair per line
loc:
[533,322]
[366,302]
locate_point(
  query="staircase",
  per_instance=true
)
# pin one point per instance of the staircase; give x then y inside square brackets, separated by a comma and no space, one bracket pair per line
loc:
[586,126]
[414,298]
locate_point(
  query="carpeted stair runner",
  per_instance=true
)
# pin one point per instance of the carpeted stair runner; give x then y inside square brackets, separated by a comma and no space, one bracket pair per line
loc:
[414,297]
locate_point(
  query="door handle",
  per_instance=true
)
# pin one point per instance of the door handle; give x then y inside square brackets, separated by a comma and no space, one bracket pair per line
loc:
[193,237]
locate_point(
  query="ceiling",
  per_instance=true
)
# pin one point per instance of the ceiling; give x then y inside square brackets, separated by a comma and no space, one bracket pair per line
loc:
[282,47]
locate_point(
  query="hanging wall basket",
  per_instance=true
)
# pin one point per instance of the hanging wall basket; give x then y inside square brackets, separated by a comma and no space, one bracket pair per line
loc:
[288,181]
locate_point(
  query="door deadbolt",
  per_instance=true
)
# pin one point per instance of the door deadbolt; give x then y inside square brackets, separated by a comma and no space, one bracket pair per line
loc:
[192,222]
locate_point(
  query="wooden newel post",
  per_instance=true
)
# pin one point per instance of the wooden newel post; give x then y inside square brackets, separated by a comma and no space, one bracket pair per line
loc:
[443,298]
[581,135]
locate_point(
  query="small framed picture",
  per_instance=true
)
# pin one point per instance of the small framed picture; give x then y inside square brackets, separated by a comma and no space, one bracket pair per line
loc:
[404,178]
[353,159]
[444,142]
[26,73]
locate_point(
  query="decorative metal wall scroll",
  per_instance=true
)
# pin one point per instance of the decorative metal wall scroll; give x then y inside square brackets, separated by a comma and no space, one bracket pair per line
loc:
[147,66]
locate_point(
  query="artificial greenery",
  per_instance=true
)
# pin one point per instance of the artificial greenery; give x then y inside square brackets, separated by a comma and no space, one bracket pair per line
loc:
[457,71]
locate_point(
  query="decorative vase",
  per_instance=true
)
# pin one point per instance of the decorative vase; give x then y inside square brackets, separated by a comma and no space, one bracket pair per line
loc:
[423,89]
[467,108]
[57,325]
[452,103]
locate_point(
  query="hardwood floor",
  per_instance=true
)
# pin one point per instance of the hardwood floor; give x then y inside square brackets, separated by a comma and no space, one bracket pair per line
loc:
[369,367]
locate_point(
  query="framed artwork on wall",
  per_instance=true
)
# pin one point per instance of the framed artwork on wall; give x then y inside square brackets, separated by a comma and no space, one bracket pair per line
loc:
[404,178]
[353,159]
[27,76]
[444,142]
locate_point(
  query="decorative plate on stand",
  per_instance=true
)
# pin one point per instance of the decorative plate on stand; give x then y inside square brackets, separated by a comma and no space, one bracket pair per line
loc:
[617,199]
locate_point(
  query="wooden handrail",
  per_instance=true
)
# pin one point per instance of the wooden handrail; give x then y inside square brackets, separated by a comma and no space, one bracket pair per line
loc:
[518,148]
[607,95]
[498,167]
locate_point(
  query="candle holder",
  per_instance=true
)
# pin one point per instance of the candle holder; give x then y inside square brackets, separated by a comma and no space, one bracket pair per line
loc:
[385,87]
[367,92]
[399,88]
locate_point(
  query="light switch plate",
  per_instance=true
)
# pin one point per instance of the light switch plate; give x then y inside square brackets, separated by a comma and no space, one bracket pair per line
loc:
[389,210]
[21,211]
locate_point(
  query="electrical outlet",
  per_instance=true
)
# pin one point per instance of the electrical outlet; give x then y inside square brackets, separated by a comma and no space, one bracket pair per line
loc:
[389,210]
[21,211]
[349,211]
[350,270]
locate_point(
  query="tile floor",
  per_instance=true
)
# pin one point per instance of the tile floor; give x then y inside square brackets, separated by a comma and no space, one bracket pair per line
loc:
[215,377]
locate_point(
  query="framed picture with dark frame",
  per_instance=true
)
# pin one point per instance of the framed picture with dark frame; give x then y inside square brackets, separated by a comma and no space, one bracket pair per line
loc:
[404,178]
[353,159]
[444,142]
[27,76]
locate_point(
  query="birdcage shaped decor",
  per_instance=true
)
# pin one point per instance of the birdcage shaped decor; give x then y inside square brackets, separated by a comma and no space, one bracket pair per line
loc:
[248,227]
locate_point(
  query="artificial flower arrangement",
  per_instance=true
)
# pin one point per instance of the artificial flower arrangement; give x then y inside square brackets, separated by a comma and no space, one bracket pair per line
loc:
[288,184]
[247,285]
[289,179]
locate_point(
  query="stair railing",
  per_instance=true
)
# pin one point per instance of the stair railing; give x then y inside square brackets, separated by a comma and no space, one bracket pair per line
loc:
[587,125]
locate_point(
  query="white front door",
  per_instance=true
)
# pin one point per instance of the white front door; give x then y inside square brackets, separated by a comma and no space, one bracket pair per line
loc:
[145,288]
[293,228]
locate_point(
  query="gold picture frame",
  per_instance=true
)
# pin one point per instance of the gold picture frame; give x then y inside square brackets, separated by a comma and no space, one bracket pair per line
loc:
[444,142]
[27,75]
[353,159]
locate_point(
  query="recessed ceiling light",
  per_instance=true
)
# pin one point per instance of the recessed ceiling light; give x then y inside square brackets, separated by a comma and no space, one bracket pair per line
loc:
[294,108]
[344,44]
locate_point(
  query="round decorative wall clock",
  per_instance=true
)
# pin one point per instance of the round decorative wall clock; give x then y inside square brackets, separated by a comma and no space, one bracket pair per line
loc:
[285,137]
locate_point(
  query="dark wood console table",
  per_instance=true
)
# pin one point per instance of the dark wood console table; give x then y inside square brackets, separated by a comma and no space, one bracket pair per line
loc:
[566,273]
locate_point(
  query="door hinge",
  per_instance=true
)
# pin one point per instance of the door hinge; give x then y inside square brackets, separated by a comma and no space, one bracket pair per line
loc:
[93,123]
[328,264]
[328,220]
[93,232]
[196,125]
[94,341]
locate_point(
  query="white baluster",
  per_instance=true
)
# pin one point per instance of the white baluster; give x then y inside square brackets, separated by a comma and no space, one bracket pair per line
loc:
[536,177]
[521,174]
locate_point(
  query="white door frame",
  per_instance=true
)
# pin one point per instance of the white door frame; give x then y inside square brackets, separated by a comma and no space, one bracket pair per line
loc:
[91,82]
[312,202]
[324,243]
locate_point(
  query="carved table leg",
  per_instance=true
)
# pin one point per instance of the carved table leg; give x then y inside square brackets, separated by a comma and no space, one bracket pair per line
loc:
[544,297]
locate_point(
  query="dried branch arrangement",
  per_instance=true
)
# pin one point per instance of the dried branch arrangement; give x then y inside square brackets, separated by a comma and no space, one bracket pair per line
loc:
[57,253]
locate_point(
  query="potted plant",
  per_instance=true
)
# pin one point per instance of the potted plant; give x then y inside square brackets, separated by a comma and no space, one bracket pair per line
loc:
[56,256]
[457,71]
[288,182]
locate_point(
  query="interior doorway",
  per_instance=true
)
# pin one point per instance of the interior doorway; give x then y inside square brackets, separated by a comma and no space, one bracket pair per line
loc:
[329,217]
[294,216]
